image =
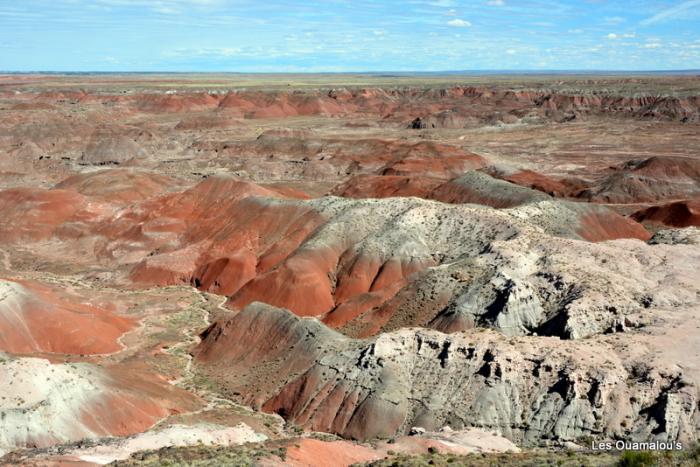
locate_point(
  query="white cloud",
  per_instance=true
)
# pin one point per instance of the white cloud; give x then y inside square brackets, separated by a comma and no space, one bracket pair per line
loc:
[459,23]
[670,12]
[652,45]
[496,2]
[614,36]
[511,51]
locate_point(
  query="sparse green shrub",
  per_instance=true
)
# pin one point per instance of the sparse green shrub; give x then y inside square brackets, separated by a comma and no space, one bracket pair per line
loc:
[693,452]
[636,459]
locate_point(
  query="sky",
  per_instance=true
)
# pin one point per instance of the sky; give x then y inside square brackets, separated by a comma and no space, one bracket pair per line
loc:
[347,36]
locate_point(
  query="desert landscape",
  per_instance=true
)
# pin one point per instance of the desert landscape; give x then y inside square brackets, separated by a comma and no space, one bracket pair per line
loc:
[329,270]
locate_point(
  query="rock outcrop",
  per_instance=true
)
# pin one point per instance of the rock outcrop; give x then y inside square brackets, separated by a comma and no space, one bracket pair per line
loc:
[359,257]
[527,389]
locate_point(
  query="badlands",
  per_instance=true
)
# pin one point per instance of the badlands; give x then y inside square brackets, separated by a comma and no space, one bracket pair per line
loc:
[347,269]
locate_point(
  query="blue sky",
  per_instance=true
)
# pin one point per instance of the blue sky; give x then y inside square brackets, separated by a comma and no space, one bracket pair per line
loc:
[358,35]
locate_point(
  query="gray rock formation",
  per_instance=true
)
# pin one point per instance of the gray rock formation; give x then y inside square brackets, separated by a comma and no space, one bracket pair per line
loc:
[527,389]
[686,236]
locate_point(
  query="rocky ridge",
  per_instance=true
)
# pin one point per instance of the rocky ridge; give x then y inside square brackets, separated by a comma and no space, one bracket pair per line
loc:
[527,389]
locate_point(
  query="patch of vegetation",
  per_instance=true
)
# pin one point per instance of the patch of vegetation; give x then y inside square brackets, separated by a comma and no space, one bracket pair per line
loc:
[637,459]
[202,381]
[200,456]
[566,458]
[526,459]
[191,317]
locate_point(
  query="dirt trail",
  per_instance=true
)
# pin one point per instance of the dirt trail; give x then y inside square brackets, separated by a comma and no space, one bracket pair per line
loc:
[191,339]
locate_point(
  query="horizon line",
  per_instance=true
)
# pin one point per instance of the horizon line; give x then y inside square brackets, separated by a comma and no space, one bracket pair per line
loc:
[366,72]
